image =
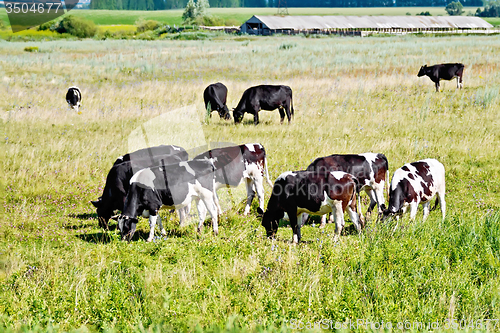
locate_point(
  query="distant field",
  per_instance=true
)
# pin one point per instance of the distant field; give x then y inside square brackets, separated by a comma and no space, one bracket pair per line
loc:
[237,16]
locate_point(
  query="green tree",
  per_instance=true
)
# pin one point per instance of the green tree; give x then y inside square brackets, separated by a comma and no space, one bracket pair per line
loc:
[454,8]
[189,14]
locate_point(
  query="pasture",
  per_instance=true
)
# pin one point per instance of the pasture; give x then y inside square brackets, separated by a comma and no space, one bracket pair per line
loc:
[58,270]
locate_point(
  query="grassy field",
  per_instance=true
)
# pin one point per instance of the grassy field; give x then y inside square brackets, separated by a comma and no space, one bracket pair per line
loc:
[237,16]
[59,271]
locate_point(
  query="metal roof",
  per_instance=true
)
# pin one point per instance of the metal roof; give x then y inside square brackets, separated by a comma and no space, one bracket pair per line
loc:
[369,22]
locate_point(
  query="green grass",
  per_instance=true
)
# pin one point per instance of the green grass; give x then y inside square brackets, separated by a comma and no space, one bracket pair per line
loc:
[59,271]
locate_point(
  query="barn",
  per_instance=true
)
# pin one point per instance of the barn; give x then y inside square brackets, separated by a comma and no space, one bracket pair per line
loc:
[363,25]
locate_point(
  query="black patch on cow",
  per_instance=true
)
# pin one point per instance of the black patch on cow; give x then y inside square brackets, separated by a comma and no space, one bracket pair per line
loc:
[411,176]
[423,171]
[380,167]
[405,168]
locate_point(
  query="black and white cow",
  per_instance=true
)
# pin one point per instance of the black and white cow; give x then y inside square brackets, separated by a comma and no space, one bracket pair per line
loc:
[416,183]
[215,96]
[172,186]
[371,170]
[314,193]
[245,163]
[74,97]
[265,97]
[443,72]
[118,178]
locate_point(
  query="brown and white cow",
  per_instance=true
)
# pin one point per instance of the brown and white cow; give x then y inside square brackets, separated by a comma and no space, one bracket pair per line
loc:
[237,164]
[443,72]
[371,170]
[311,192]
[416,183]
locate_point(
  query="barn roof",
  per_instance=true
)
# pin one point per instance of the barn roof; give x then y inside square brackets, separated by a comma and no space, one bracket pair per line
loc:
[370,22]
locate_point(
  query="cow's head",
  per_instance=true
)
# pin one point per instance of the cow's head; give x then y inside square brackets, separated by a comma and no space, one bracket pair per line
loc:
[396,202]
[238,115]
[103,214]
[270,221]
[224,113]
[422,71]
[127,227]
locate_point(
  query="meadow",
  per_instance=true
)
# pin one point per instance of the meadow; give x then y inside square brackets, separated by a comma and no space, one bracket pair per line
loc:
[60,272]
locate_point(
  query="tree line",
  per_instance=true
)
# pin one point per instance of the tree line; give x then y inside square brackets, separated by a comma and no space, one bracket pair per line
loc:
[179,4]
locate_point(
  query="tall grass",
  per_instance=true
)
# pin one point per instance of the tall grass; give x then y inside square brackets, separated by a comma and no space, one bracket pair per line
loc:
[351,95]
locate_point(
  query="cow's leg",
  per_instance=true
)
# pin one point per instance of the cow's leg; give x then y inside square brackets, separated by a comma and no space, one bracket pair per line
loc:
[323,221]
[338,215]
[282,114]
[292,215]
[437,86]
[259,188]
[413,210]
[426,208]
[256,115]
[160,225]
[287,110]
[202,213]
[373,201]
[152,224]
[210,203]
[354,217]
[250,195]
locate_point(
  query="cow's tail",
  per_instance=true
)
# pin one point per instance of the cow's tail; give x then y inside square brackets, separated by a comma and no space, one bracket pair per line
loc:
[435,203]
[291,105]
[266,172]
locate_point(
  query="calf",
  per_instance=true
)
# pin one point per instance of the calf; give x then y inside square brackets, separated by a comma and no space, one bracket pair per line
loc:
[443,72]
[312,192]
[118,178]
[74,97]
[172,186]
[416,183]
[215,96]
[245,163]
[265,97]
[371,170]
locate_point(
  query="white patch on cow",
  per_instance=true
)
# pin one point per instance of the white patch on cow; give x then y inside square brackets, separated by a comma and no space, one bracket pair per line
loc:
[120,158]
[176,148]
[295,239]
[286,174]
[338,174]
[145,177]
[251,146]
[325,207]
[145,213]
[188,168]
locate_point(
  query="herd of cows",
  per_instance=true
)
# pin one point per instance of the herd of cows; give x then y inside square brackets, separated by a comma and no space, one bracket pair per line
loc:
[142,182]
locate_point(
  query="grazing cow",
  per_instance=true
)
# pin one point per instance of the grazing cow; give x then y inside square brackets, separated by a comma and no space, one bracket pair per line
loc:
[265,97]
[416,183]
[371,170]
[312,192]
[236,164]
[443,72]
[74,97]
[172,186]
[215,96]
[118,178]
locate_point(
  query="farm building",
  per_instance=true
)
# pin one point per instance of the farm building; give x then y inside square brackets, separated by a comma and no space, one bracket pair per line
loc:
[362,25]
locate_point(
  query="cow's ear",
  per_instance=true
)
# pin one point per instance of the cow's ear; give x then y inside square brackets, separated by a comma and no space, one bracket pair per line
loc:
[96,203]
